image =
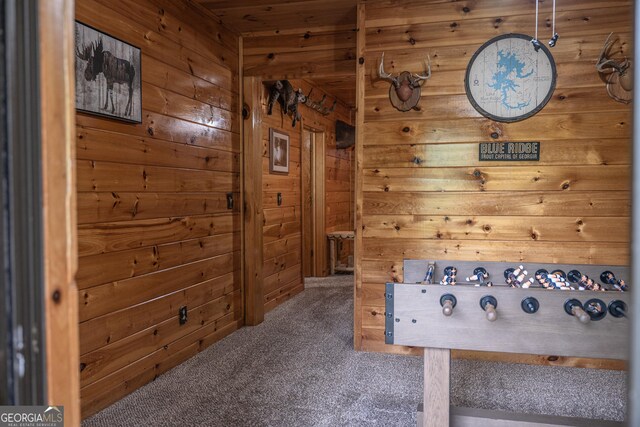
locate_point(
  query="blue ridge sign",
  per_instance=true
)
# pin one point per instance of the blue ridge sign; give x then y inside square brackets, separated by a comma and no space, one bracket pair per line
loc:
[509,151]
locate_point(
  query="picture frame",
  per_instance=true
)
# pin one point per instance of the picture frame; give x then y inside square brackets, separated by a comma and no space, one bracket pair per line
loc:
[279,150]
[108,75]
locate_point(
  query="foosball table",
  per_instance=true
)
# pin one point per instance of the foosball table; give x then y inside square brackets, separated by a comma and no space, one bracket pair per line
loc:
[532,308]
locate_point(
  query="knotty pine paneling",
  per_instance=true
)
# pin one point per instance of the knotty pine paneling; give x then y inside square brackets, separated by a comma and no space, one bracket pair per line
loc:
[136,374]
[108,266]
[282,226]
[158,127]
[154,231]
[324,55]
[119,354]
[338,174]
[398,13]
[533,178]
[424,193]
[582,22]
[281,16]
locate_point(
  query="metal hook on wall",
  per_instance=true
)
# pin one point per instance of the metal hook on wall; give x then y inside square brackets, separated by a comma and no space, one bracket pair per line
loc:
[554,37]
[534,40]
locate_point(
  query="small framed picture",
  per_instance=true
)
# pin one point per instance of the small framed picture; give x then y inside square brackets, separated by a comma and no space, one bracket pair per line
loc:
[108,75]
[278,152]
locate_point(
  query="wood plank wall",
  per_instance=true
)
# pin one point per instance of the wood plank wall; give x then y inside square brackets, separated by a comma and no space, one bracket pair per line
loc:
[323,58]
[154,230]
[325,55]
[339,171]
[282,239]
[424,193]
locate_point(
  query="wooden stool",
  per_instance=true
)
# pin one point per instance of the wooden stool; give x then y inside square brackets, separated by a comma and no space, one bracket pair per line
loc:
[333,237]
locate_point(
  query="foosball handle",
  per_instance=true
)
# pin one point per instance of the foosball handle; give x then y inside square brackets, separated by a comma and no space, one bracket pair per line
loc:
[447,308]
[573,307]
[489,304]
[448,302]
[618,308]
[492,315]
[582,315]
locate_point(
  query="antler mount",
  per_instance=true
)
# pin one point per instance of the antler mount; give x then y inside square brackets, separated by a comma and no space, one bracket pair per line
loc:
[405,89]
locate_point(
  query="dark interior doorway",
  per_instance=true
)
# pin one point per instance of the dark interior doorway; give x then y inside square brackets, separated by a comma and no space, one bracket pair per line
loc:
[22,363]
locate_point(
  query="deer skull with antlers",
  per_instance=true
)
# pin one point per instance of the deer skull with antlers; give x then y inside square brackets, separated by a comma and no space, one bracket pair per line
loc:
[405,89]
[620,79]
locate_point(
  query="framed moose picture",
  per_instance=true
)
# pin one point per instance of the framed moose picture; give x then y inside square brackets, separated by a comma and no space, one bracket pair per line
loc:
[279,152]
[107,75]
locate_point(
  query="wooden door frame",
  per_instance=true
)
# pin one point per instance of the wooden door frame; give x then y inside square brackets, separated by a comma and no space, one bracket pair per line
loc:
[318,182]
[319,267]
[57,92]
[252,92]
[252,209]
[306,168]
[361,68]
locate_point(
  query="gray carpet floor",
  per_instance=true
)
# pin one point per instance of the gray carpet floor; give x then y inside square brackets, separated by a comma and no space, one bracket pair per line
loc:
[299,368]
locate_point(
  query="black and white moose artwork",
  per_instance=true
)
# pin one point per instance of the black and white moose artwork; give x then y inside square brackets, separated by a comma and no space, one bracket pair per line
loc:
[107,75]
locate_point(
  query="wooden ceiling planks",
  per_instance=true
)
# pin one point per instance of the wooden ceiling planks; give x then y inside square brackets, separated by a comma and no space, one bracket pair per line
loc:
[310,39]
[247,16]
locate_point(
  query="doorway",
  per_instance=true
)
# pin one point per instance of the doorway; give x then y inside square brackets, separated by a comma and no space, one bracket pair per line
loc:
[22,348]
[314,258]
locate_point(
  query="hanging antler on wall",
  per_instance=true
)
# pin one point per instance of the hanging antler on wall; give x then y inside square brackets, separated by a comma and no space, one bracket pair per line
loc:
[620,80]
[405,89]
[319,105]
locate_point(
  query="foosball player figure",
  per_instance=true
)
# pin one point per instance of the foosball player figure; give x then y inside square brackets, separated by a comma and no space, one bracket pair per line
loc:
[515,276]
[585,283]
[556,281]
[542,280]
[510,274]
[449,277]
[546,282]
[479,275]
[479,279]
[608,277]
[620,286]
[528,283]
[428,278]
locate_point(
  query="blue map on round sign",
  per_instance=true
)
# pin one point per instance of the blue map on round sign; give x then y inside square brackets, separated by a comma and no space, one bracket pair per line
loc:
[508,80]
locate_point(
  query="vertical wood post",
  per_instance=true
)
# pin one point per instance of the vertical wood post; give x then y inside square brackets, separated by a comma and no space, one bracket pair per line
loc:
[252,194]
[306,213]
[436,387]
[634,376]
[332,256]
[241,201]
[320,231]
[56,42]
[357,262]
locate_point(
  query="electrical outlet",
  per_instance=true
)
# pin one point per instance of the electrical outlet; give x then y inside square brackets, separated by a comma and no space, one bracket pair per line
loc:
[279,199]
[182,315]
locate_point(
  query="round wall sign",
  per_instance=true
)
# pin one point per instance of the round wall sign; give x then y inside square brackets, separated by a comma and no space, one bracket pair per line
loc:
[507,80]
